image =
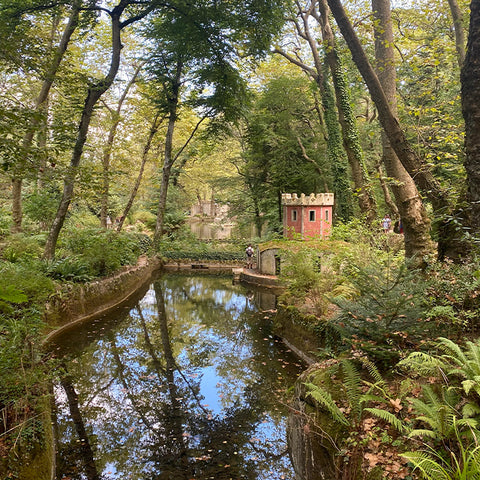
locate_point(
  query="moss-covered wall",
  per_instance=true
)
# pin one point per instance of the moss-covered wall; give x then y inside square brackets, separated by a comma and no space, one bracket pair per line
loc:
[75,303]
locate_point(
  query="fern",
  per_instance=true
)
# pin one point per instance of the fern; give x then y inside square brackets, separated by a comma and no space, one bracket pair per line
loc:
[463,364]
[431,469]
[353,384]
[10,293]
[462,463]
[388,417]
[325,400]
[470,410]
[422,364]
[448,345]
[373,372]
[368,397]
[468,385]
[437,411]
[471,423]
[422,432]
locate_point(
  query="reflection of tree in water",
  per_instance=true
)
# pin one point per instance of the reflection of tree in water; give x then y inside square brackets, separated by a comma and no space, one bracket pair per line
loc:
[202,445]
[77,457]
[154,423]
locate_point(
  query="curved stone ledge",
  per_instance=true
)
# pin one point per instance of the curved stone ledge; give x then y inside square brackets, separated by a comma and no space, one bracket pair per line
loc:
[79,303]
[255,278]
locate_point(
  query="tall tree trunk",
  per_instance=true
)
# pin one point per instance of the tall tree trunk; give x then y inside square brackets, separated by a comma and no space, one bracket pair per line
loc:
[416,224]
[341,184]
[107,152]
[386,191]
[470,78]
[93,95]
[146,150]
[169,159]
[346,118]
[17,214]
[40,101]
[458,26]
[412,163]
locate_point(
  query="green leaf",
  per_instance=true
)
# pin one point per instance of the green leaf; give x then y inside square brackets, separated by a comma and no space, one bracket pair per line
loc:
[389,417]
[11,294]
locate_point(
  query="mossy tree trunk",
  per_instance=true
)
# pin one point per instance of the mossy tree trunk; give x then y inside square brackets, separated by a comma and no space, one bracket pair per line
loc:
[336,153]
[416,223]
[351,142]
[470,78]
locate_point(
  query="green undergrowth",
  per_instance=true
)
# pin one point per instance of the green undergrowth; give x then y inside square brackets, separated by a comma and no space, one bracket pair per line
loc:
[422,422]
[363,296]
[408,403]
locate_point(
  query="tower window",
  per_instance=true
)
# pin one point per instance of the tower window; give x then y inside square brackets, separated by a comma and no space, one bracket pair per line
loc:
[311,215]
[294,215]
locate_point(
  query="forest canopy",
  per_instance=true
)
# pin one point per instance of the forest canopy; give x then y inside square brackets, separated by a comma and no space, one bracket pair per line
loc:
[108,105]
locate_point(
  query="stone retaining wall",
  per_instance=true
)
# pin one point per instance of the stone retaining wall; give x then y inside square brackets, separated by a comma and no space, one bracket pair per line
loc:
[76,303]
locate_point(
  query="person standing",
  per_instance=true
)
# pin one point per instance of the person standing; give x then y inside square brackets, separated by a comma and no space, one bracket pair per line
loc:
[249,253]
[386,223]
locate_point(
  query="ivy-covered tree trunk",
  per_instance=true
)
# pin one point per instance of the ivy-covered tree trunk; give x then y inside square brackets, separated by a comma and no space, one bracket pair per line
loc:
[351,143]
[424,179]
[335,151]
[416,224]
[341,185]
[470,78]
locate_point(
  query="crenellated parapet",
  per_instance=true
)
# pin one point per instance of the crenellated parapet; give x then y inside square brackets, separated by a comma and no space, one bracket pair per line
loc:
[314,199]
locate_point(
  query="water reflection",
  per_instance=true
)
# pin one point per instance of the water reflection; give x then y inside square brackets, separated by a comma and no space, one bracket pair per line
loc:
[188,385]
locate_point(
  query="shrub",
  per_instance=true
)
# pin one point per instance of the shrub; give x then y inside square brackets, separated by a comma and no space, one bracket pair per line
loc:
[23,247]
[184,245]
[300,270]
[28,279]
[452,295]
[355,231]
[102,251]
[385,316]
[145,217]
[5,222]
[41,206]
[69,269]
[81,219]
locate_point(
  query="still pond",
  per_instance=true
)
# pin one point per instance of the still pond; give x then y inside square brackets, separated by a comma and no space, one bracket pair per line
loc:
[186,383]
